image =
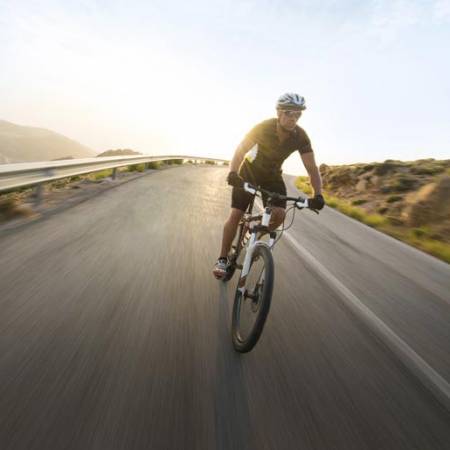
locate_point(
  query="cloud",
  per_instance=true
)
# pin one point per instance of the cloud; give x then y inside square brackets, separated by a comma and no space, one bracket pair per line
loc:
[441,10]
[390,19]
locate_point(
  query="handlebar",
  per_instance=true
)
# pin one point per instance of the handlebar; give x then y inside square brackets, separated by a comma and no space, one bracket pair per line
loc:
[300,202]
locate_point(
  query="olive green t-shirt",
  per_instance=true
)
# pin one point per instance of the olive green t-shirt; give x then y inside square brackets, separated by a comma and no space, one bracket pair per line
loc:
[263,162]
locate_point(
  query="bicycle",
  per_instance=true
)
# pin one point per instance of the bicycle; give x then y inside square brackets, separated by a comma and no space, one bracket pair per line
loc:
[255,286]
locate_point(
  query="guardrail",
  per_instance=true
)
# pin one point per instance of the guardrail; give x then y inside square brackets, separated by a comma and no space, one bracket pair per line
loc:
[16,176]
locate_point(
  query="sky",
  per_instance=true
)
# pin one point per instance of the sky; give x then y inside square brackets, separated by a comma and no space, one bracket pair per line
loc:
[177,77]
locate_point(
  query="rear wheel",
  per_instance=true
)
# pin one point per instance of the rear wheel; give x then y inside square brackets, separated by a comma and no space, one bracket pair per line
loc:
[252,300]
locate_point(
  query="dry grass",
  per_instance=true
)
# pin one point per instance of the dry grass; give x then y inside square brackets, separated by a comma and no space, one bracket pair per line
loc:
[419,237]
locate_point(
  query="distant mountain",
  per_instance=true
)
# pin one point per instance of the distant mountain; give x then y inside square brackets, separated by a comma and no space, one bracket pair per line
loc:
[119,152]
[26,144]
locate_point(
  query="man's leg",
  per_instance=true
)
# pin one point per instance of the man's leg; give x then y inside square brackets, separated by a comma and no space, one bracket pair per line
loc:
[229,231]
[277,218]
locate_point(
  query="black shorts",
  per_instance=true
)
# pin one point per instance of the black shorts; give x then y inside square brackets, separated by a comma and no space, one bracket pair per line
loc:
[240,199]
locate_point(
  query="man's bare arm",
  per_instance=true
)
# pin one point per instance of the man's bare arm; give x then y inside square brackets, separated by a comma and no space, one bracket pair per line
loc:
[313,172]
[239,154]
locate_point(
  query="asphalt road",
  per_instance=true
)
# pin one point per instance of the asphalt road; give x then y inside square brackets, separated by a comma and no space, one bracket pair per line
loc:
[114,334]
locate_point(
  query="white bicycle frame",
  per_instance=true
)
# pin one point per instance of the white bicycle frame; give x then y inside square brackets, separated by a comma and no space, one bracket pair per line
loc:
[253,242]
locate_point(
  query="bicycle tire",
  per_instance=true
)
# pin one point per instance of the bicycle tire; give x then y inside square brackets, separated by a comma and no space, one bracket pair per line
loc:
[241,343]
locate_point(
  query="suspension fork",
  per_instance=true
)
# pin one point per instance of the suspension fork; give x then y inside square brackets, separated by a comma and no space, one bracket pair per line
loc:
[251,246]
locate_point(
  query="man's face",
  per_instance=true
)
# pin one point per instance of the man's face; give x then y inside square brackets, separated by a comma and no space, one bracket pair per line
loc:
[288,119]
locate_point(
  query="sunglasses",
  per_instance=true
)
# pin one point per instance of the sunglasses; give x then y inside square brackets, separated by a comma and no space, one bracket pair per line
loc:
[290,113]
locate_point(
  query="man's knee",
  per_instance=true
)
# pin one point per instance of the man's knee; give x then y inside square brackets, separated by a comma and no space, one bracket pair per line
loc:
[278,215]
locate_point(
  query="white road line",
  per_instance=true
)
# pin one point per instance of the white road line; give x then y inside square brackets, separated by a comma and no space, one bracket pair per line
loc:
[427,375]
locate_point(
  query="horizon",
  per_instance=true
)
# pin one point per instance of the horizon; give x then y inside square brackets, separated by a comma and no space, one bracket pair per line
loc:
[195,78]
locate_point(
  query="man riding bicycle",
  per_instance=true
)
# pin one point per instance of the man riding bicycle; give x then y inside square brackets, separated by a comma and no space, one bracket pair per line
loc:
[258,160]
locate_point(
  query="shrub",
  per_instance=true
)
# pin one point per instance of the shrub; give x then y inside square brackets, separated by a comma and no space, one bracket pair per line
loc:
[136,168]
[212,163]
[7,205]
[173,161]
[404,183]
[359,201]
[436,248]
[428,169]
[374,220]
[303,184]
[155,165]
[394,198]
[396,221]
[331,201]
[420,232]
[367,167]
[102,174]
[384,168]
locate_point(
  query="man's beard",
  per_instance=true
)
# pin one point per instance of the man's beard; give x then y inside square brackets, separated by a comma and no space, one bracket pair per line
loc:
[288,130]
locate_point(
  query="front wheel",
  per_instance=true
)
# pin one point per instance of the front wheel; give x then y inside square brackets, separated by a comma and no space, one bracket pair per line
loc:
[252,300]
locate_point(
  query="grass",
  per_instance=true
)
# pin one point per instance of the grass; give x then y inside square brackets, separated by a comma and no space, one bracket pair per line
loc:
[394,198]
[372,220]
[359,201]
[155,165]
[304,185]
[437,248]
[416,237]
[100,175]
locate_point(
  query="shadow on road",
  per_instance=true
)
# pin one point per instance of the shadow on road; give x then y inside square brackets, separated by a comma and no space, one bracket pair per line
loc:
[232,414]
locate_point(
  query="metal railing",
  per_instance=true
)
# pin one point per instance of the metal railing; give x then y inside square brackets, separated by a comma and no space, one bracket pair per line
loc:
[20,175]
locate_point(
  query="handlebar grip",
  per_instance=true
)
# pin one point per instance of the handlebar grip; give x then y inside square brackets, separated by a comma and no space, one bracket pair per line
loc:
[249,188]
[302,203]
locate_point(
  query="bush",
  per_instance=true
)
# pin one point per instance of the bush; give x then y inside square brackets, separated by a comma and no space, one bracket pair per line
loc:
[212,163]
[420,232]
[331,201]
[155,165]
[173,161]
[436,248]
[428,169]
[367,167]
[394,198]
[404,183]
[136,168]
[7,205]
[374,220]
[388,166]
[102,174]
[303,184]
[359,201]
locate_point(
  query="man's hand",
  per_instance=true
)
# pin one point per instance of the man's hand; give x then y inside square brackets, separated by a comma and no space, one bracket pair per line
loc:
[317,202]
[235,180]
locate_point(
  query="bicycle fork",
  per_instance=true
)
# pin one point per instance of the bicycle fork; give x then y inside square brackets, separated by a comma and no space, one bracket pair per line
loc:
[249,254]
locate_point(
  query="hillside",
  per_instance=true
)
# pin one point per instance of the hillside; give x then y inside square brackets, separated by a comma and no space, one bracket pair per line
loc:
[120,152]
[25,144]
[409,200]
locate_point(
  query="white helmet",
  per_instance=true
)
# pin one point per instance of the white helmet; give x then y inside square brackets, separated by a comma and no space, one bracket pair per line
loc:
[292,101]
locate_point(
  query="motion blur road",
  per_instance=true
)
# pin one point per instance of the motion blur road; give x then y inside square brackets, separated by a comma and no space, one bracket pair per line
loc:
[114,334]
